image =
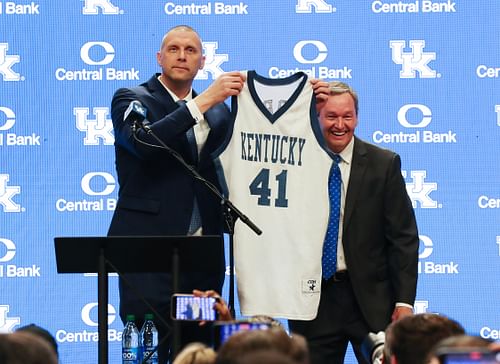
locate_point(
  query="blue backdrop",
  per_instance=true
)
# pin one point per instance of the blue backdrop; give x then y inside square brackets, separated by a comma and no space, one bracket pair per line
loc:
[427,73]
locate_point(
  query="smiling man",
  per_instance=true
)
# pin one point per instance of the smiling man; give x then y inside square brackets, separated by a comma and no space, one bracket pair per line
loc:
[157,196]
[374,275]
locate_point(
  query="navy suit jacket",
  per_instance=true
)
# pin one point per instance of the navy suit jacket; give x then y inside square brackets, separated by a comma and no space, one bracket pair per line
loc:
[156,192]
[380,234]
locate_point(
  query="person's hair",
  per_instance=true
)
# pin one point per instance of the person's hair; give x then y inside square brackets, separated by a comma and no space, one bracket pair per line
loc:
[196,353]
[412,338]
[265,356]
[339,88]
[244,342]
[183,27]
[41,332]
[25,348]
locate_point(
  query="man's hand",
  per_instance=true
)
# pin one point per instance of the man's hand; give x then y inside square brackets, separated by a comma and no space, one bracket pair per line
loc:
[226,85]
[321,91]
[400,312]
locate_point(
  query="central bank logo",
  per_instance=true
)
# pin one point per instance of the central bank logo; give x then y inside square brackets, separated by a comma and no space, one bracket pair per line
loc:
[6,64]
[419,190]
[213,61]
[311,53]
[89,316]
[97,185]
[313,6]
[7,253]
[97,55]
[99,128]
[415,61]
[7,194]
[13,139]
[427,266]
[422,117]
[7,324]
[95,7]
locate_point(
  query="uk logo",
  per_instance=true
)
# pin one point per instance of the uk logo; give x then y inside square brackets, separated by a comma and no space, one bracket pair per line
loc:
[319,6]
[213,61]
[106,7]
[419,190]
[7,193]
[420,306]
[497,110]
[6,63]
[7,323]
[96,130]
[415,61]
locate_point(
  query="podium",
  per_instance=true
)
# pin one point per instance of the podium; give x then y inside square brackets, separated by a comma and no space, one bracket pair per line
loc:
[135,254]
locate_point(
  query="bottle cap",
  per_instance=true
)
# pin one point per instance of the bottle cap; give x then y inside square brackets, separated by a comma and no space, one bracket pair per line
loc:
[130,317]
[149,316]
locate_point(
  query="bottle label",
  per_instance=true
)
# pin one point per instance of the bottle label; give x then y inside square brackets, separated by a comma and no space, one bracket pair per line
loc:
[153,359]
[130,355]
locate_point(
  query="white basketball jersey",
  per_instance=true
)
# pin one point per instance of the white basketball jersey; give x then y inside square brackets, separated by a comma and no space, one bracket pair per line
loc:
[275,166]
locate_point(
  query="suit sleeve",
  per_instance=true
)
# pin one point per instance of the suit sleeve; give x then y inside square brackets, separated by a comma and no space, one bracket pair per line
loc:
[401,235]
[168,128]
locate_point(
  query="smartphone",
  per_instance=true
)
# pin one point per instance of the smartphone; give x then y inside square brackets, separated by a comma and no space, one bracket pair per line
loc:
[468,356]
[223,330]
[190,308]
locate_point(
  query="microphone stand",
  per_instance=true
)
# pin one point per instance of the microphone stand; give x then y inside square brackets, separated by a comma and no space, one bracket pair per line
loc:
[230,212]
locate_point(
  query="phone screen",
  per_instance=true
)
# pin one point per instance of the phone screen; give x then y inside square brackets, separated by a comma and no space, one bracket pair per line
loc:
[191,308]
[471,357]
[223,330]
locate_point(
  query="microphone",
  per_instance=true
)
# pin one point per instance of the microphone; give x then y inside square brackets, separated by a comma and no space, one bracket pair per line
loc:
[135,115]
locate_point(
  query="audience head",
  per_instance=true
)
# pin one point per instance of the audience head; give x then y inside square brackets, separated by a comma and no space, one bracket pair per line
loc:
[266,356]
[196,353]
[41,332]
[25,348]
[411,339]
[243,343]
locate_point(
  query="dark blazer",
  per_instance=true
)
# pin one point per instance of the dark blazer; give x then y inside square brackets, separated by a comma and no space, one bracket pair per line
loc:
[380,234]
[155,191]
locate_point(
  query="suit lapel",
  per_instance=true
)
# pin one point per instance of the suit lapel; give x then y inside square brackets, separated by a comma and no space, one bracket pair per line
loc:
[358,169]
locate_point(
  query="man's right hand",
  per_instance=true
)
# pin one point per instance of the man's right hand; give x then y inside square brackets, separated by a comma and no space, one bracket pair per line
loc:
[226,85]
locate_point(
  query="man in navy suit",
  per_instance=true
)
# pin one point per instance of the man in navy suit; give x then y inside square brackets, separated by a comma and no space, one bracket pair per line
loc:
[157,196]
[377,248]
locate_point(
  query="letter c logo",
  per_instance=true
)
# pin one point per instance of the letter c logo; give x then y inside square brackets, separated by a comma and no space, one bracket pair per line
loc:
[428,247]
[320,46]
[10,118]
[86,311]
[426,116]
[11,250]
[109,188]
[108,48]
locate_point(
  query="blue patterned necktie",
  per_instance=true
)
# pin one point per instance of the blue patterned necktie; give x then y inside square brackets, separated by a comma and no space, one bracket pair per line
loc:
[329,259]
